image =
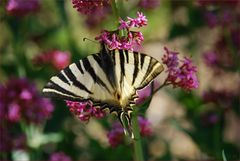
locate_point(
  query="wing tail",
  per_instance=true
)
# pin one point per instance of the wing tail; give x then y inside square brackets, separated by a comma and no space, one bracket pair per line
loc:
[125,120]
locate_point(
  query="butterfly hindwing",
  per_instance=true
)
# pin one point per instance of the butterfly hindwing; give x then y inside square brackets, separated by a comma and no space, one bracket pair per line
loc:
[134,71]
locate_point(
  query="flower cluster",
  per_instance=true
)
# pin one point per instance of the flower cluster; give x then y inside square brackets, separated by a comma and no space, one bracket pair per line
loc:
[22,7]
[19,100]
[85,110]
[149,4]
[59,156]
[222,56]
[116,134]
[218,2]
[131,40]
[9,141]
[96,11]
[221,98]
[57,59]
[144,93]
[89,6]
[181,73]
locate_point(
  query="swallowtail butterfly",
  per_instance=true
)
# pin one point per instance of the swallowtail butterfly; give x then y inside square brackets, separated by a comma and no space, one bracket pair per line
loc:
[109,79]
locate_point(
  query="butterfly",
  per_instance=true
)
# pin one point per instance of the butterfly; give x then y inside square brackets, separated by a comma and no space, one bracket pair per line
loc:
[109,79]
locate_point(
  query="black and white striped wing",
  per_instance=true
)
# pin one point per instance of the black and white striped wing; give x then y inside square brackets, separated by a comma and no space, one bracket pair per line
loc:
[134,71]
[83,80]
[110,78]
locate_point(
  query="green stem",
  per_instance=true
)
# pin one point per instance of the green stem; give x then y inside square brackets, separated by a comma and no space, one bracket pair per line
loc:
[138,151]
[115,12]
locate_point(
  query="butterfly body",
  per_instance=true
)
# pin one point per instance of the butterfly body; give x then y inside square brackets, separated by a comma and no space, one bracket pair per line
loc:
[108,79]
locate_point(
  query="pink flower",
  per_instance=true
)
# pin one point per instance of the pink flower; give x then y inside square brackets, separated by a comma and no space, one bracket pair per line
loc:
[116,134]
[218,2]
[220,98]
[181,73]
[123,24]
[144,124]
[22,7]
[131,40]
[59,156]
[114,44]
[211,18]
[14,113]
[9,140]
[19,100]
[88,7]
[210,58]
[140,21]
[149,4]
[144,93]
[58,59]
[84,110]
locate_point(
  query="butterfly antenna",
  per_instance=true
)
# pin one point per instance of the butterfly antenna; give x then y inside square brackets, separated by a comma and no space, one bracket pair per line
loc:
[84,39]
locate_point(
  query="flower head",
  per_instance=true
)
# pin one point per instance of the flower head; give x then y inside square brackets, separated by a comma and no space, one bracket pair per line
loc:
[116,134]
[149,4]
[57,59]
[59,156]
[85,110]
[221,98]
[88,7]
[131,40]
[144,124]
[95,10]
[144,93]
[22,7]
[218,2]
[181,73]
[140,21]
[19,99]
[210,58]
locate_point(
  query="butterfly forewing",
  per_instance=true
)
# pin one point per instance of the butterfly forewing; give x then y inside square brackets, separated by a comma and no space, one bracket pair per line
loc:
[83,80]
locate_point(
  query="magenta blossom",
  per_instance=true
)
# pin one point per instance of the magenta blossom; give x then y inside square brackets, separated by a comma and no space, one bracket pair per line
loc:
[19,100]
[88,7]
[59,156]
[57,59]
[181,73]
[96,11]
[22,7]
[116,134]
[210,58]
[144,93]
[145,125]
[131,40]
[85,110]
[221,98]
[138,22]
[149,4]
